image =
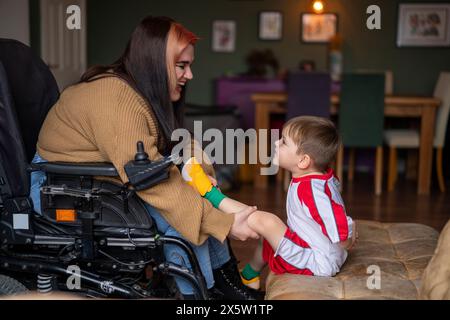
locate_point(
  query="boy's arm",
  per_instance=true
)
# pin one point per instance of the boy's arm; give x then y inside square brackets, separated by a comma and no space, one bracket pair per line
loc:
[350,242]
[228,205]
[194,174]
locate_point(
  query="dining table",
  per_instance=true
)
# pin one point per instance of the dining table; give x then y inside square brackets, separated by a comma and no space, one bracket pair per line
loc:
[424,108]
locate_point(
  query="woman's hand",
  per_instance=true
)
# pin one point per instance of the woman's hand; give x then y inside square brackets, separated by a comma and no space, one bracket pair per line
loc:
[240,229]
[213,181]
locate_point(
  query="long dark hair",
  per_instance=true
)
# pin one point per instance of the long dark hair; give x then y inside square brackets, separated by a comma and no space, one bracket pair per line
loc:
[143,66]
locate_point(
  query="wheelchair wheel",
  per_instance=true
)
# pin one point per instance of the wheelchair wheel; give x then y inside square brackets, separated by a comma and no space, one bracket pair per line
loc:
[10,286]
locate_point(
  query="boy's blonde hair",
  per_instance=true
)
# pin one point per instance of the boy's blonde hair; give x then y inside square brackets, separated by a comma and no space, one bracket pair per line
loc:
[316,137]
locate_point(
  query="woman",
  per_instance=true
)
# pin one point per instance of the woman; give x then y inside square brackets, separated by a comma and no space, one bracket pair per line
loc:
[140,98]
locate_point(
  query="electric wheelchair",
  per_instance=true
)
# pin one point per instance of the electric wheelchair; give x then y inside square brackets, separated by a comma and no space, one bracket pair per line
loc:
[94,230]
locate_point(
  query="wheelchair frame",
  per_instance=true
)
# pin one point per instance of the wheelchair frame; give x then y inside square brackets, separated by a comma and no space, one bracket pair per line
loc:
[42,245]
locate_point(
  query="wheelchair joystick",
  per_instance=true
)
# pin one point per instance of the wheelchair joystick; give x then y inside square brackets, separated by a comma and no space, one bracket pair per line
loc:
[141,156]
[143,173]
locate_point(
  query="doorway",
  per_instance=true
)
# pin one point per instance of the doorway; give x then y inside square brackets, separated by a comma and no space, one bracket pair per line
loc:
[63,49]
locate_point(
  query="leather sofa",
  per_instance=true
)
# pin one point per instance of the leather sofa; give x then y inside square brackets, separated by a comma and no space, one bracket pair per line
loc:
[400,253]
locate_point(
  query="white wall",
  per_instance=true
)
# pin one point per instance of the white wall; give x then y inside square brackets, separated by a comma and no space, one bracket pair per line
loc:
[15,20]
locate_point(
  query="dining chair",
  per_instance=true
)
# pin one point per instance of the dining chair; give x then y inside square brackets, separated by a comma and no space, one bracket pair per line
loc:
[389,79]
[410,139]
[309,94]
[361,121]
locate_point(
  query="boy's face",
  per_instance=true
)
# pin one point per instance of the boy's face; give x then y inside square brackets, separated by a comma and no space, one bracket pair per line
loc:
[286,156]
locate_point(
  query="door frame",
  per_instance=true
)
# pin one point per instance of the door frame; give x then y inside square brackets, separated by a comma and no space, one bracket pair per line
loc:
[45,32]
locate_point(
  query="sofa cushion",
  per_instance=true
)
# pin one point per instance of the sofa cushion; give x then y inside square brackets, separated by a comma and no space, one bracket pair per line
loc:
[436,277]
[402,251]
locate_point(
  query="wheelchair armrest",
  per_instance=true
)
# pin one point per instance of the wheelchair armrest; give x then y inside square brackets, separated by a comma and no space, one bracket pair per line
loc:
[77,169]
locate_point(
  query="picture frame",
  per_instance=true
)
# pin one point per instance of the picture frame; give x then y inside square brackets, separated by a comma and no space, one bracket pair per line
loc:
[224,36]
[270,25]
[318,28]
[423,25]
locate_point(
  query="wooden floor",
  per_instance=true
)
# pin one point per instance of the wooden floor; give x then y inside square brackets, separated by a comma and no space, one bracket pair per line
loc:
[402,205]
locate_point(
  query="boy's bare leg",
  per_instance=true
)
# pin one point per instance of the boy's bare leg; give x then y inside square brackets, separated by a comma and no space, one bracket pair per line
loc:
[256,264]
[264,223]
[257,261]
[272,229]
[269,226]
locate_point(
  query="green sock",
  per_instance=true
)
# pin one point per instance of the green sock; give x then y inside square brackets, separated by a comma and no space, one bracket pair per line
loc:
[215,196]
[248,273]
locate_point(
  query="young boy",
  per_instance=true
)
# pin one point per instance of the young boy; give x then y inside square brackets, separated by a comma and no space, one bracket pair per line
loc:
[318,231]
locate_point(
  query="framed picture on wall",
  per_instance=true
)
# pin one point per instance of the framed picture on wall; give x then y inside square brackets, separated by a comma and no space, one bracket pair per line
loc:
[224,36]
[270,25]
[423,25]
[318,28]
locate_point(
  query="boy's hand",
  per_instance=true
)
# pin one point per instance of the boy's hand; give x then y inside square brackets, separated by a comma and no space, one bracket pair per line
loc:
[349,243]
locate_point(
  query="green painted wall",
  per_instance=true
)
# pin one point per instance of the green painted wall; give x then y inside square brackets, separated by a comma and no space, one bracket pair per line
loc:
[110,23]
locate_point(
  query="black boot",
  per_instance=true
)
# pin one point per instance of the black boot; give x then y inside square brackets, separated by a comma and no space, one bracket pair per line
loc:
[228,281]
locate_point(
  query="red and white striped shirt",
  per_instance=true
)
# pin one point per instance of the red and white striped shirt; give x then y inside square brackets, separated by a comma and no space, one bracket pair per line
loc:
[317,197]
[316,214]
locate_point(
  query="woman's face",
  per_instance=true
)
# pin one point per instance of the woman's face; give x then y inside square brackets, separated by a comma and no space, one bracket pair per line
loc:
[183,71]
